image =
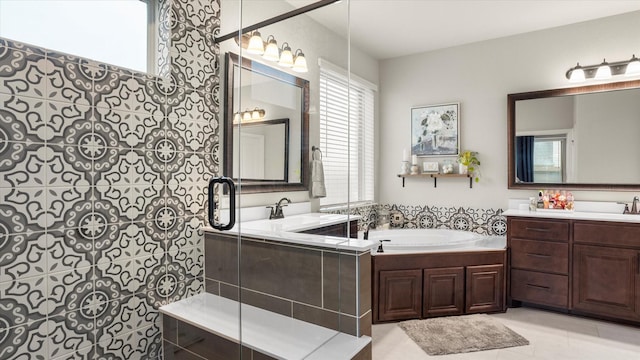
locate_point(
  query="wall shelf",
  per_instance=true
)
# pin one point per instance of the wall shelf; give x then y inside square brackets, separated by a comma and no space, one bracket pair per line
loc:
[435,177]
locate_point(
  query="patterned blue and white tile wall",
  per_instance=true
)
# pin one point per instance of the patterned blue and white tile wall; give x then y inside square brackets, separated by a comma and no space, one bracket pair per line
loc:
[102,191]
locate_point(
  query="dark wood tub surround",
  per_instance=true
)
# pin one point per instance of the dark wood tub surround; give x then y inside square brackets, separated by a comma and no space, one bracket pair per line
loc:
[589,268]
[414,286]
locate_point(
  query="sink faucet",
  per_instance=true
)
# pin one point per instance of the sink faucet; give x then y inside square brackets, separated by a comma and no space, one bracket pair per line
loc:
[276,213]
[634,206]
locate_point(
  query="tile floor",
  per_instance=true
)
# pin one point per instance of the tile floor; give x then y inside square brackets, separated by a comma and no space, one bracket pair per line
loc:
[551,336]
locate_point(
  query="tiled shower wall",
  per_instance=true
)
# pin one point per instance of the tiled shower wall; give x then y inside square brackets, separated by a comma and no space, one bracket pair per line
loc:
[483,221]
[102,191]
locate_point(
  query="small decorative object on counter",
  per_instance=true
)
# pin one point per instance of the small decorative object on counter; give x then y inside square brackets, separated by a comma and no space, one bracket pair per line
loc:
[540,203]
[447,167]
[405,168]
[533,204]
[383,219]
[469,164]
[558,200]
[430,166]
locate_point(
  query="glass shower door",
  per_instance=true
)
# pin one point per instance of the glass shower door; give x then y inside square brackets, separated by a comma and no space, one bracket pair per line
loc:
[283,284]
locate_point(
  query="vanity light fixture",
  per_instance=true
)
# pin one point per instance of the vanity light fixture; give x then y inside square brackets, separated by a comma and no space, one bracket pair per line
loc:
[633,67]
[300,62]
[269,50]
[286,56]
[604,70]
[577,74]
[254,115]
[256,45]
[257,114]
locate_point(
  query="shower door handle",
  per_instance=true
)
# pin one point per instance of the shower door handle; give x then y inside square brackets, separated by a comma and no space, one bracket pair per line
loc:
[232,202]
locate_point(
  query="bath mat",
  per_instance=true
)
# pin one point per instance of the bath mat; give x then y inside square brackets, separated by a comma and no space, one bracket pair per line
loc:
[461,334]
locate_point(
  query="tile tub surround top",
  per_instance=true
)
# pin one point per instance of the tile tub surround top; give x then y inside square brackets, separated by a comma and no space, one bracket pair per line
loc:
[285,230]
[267,332]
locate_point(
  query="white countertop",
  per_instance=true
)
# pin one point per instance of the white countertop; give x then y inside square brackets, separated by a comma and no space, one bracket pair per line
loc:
[287,230]
[575,215]
[270,333]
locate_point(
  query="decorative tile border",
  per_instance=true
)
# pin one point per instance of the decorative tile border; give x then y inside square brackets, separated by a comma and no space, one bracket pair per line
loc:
[481,221]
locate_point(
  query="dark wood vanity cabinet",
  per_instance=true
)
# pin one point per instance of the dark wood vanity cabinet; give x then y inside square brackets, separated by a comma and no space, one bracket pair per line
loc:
[443,291]
[484,288]
[439,285]
[400,294]
[606,270]
[539,261]
[594,269]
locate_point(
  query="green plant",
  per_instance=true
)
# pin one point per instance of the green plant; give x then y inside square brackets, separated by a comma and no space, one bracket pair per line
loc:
[470,159]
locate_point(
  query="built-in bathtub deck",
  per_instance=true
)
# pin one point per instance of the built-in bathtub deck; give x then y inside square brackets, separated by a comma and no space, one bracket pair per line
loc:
[267,332]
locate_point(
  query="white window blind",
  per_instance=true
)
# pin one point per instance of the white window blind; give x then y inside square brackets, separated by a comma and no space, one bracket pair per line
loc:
[346,138]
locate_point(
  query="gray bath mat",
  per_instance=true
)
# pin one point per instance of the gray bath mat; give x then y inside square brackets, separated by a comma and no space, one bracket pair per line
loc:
[461,334]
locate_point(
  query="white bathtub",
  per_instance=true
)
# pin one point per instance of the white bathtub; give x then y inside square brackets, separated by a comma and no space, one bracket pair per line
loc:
[434,240]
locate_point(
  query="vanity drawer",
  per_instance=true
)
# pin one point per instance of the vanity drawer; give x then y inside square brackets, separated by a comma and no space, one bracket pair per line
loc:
[620,234]
[540,255]
[540,288]
[539,230]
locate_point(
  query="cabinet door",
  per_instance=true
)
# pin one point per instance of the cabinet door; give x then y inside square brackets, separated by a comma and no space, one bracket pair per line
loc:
[605,281]
[485,288]
[443,291]
[400,295]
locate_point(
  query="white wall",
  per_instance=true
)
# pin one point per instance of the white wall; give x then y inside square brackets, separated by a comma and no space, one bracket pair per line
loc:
[601,115]
[480,76]
[544,114]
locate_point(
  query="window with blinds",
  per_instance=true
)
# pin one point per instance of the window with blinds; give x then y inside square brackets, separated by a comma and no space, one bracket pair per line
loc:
[549,153]
[346,138]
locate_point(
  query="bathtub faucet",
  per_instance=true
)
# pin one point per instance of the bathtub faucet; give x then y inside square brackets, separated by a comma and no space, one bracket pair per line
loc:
[276,213]
[380,249]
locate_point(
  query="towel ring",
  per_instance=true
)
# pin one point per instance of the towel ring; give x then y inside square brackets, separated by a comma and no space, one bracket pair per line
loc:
[313,151]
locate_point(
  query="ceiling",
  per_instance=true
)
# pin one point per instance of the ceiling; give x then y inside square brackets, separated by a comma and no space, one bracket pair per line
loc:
[392,28]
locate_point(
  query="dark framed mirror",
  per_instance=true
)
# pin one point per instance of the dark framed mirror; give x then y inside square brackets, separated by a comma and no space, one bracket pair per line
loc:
[264,155]
[279,96]
[575,138]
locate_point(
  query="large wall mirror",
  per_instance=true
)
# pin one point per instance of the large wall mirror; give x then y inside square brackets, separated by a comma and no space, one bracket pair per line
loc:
[278,140]
[576,138]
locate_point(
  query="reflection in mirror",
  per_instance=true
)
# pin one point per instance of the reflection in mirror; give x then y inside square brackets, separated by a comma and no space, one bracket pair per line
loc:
[261,150]
[576,138]
[281,96]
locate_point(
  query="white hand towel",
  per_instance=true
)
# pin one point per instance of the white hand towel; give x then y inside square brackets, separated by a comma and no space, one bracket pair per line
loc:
[317,189]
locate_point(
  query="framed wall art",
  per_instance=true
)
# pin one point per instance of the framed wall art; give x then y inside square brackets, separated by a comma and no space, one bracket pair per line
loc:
[435,130]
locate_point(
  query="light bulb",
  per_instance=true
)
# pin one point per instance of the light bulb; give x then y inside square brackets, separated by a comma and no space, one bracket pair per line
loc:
[633,67]
[577,74]
[300,62]
[256,45]
[271,52]
[603,72]
[286,57]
